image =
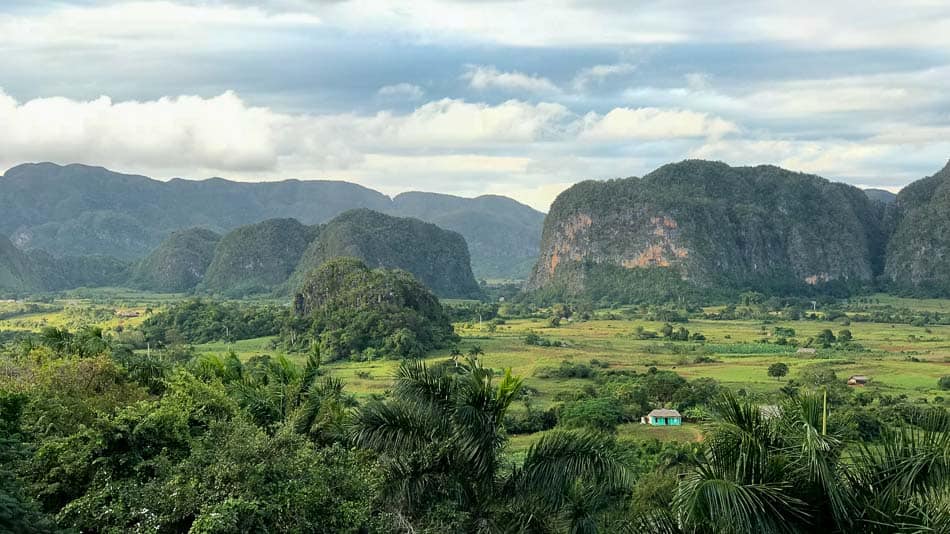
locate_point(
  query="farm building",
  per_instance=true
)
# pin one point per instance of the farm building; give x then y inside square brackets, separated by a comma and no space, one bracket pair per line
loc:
[807,350]
[663,418]
[858,380]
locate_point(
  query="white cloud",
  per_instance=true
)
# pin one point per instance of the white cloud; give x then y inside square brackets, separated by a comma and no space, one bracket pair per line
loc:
[844,24]
[484,77]
[653,123]
[598,73]
[401,90]
[448,145]
[139,25]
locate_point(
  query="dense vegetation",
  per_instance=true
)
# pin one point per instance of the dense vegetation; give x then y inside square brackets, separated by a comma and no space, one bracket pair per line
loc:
[94,437]
[257,258]
[202,321]
[178,264]
[438,258]
[715,227]
[352,311]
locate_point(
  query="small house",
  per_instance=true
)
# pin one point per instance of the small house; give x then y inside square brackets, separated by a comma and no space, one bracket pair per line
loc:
[807,350]
[664,417]
[858,380]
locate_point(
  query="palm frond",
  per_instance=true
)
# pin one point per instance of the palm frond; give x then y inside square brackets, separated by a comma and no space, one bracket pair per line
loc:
[560,459]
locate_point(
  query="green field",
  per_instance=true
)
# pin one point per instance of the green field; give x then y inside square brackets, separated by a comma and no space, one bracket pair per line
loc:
[900,359]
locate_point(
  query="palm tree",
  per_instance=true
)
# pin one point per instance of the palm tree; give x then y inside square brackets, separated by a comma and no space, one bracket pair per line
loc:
[788,475]
[441,439]
[275,390]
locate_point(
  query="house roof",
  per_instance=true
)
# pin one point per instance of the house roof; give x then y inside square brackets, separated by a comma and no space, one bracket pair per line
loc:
[664,413]
[859,378]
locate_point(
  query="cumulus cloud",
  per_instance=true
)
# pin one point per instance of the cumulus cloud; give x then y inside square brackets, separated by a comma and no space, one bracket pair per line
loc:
[488,77]
[224,135]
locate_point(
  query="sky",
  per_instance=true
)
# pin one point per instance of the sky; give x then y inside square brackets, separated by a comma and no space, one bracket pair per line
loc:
[515,97]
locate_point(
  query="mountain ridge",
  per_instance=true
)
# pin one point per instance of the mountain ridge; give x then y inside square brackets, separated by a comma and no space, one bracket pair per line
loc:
[83,209]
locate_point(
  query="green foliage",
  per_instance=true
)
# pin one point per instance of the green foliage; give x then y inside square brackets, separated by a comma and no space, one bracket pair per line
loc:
[944,382]
[788,474]
[352,308]
[203,321]
[601,413]
[440,438]
[778,370]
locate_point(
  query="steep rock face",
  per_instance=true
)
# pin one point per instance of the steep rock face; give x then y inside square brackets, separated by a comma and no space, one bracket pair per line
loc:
[711,225]
[503,236]
[918,251]
[257,258]
[179,263]
[436,257]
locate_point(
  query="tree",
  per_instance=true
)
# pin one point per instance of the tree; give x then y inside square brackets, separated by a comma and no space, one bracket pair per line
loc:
[845,336]
[442,443]
[944,382]
[826,338]
[778,370]
[788,474]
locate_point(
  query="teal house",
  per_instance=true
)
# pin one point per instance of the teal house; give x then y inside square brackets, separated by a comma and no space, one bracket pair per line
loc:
[664,418]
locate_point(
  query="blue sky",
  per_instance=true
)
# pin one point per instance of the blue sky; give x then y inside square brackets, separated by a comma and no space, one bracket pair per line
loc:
[469,97]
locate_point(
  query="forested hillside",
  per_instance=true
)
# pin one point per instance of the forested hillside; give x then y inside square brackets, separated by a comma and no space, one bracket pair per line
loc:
[503,236]
[178,264]
[438,258]
[257,258]
[707,225]
[84,210]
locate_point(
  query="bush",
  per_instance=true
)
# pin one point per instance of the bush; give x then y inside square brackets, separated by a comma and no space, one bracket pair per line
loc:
[566,370]
[602,413]
[944,382]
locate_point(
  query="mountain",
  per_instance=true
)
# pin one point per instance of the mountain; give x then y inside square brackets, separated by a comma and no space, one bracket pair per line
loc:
[37,271]
[706,225]
[178,264]
[438,258]
[881,195]
[257,258]
[503,235]
[16,271]
[78,209]
[918,251]
[81,210]
[355,311]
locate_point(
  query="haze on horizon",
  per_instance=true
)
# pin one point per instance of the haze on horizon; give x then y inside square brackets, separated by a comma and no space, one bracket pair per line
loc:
[520,98]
